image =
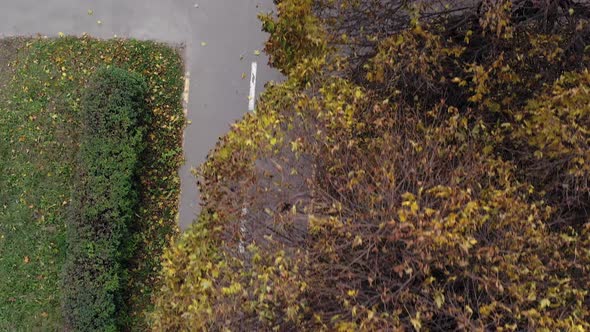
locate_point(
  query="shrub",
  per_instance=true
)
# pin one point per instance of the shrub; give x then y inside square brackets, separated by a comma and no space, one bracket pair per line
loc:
[296,36]
[392,187]
[104,199]
[553,130]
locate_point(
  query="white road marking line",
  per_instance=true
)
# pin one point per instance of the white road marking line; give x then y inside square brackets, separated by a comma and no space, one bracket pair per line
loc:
[252,95]
[251,104]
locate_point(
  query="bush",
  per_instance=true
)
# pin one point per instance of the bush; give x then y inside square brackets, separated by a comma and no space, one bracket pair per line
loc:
[553,130]
[401,183]
[104,199]
[296,36]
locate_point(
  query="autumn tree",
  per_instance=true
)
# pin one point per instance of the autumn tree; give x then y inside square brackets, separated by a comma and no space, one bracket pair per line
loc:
[423,166]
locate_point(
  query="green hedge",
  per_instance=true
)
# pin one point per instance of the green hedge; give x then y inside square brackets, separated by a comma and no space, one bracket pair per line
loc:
[104,200]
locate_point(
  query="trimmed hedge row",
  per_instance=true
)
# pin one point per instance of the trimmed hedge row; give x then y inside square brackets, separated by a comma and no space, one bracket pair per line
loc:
[104,200]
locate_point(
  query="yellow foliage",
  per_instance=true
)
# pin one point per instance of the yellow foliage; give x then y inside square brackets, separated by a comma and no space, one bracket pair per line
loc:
[409,193]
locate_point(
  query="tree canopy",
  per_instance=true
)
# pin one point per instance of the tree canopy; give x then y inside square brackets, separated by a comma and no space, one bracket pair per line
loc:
[424,166]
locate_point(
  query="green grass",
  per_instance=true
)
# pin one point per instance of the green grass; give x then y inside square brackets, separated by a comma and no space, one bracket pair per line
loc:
[39,130]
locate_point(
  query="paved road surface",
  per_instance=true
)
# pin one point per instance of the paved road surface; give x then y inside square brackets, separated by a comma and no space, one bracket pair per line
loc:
[229,30]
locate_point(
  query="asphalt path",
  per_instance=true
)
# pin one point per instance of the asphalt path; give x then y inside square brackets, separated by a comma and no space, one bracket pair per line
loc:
[222,40]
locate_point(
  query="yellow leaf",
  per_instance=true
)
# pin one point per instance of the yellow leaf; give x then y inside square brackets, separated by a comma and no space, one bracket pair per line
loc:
[357,241]
[439,299]
[414,207]
[402,216]
[544,303]
[416,322]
